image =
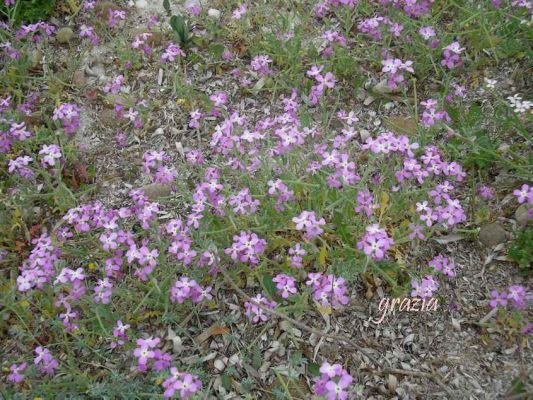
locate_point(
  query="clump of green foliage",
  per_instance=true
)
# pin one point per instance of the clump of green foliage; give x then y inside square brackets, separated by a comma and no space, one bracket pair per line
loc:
[522,249]
[29,11]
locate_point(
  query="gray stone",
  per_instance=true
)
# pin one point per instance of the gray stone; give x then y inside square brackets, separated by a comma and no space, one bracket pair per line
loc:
[78,78]
[492,234]
[522,215]
[155,191]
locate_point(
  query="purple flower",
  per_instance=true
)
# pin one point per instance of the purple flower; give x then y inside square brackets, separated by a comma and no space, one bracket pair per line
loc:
[517,294]
[261,64]
[497,299]
[375,242]
[254,312]
[186,288]
[246,248]
[296,254]
[333,382]
[171,52]
[285,284]
[307,221]
[243,203]
[183,383]
[45,361]
[219,99]
[442,264]
[525,193]
[424,289]
[50,154]
[16,371]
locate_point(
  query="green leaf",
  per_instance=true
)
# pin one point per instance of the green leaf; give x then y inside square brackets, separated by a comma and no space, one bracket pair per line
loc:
[216,50]
[179,26]
[257,359]
[313,368]
[166,6]
[269,285]
[226,382]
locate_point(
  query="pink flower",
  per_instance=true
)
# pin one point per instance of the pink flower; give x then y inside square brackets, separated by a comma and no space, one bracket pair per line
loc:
[498,299]
[524,194]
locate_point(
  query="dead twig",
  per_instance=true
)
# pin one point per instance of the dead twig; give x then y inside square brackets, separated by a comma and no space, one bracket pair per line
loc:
[433,376]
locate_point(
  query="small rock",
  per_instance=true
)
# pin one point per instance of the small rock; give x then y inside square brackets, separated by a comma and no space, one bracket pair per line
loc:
[219,365]
[389,106]
[523,216]
[64,35]
[364,134]
[213,13]
[369,100]
[155,191]
[492,234]
[78,78]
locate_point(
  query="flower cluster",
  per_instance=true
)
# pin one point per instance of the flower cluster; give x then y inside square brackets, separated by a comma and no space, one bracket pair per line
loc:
[308,222]
[119,332]
[243,203]
[332,37]
[286,285]
[394,68]
[333,382]
[15,372]
[38,269]
[35,31]
[425,288]
[50,153]
[20,166]
[261,65]
[146,352]
[442,264]
[375,242]
[44,360]
[452,56]
[194,119]
[186,288]
[518,105]
[18,131]
[296,254]
[324,6]
[515,293]
[154,165]
[246,248]
[388,142]
[372,27]
[171,52]
[239,11]
[182,382]
[324,81]
[328,290]
[88,32]
[114,85]
[115,17]
[431,114]
[365,202]
[254,312]
[140,41]
[283,193]
[69,115]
